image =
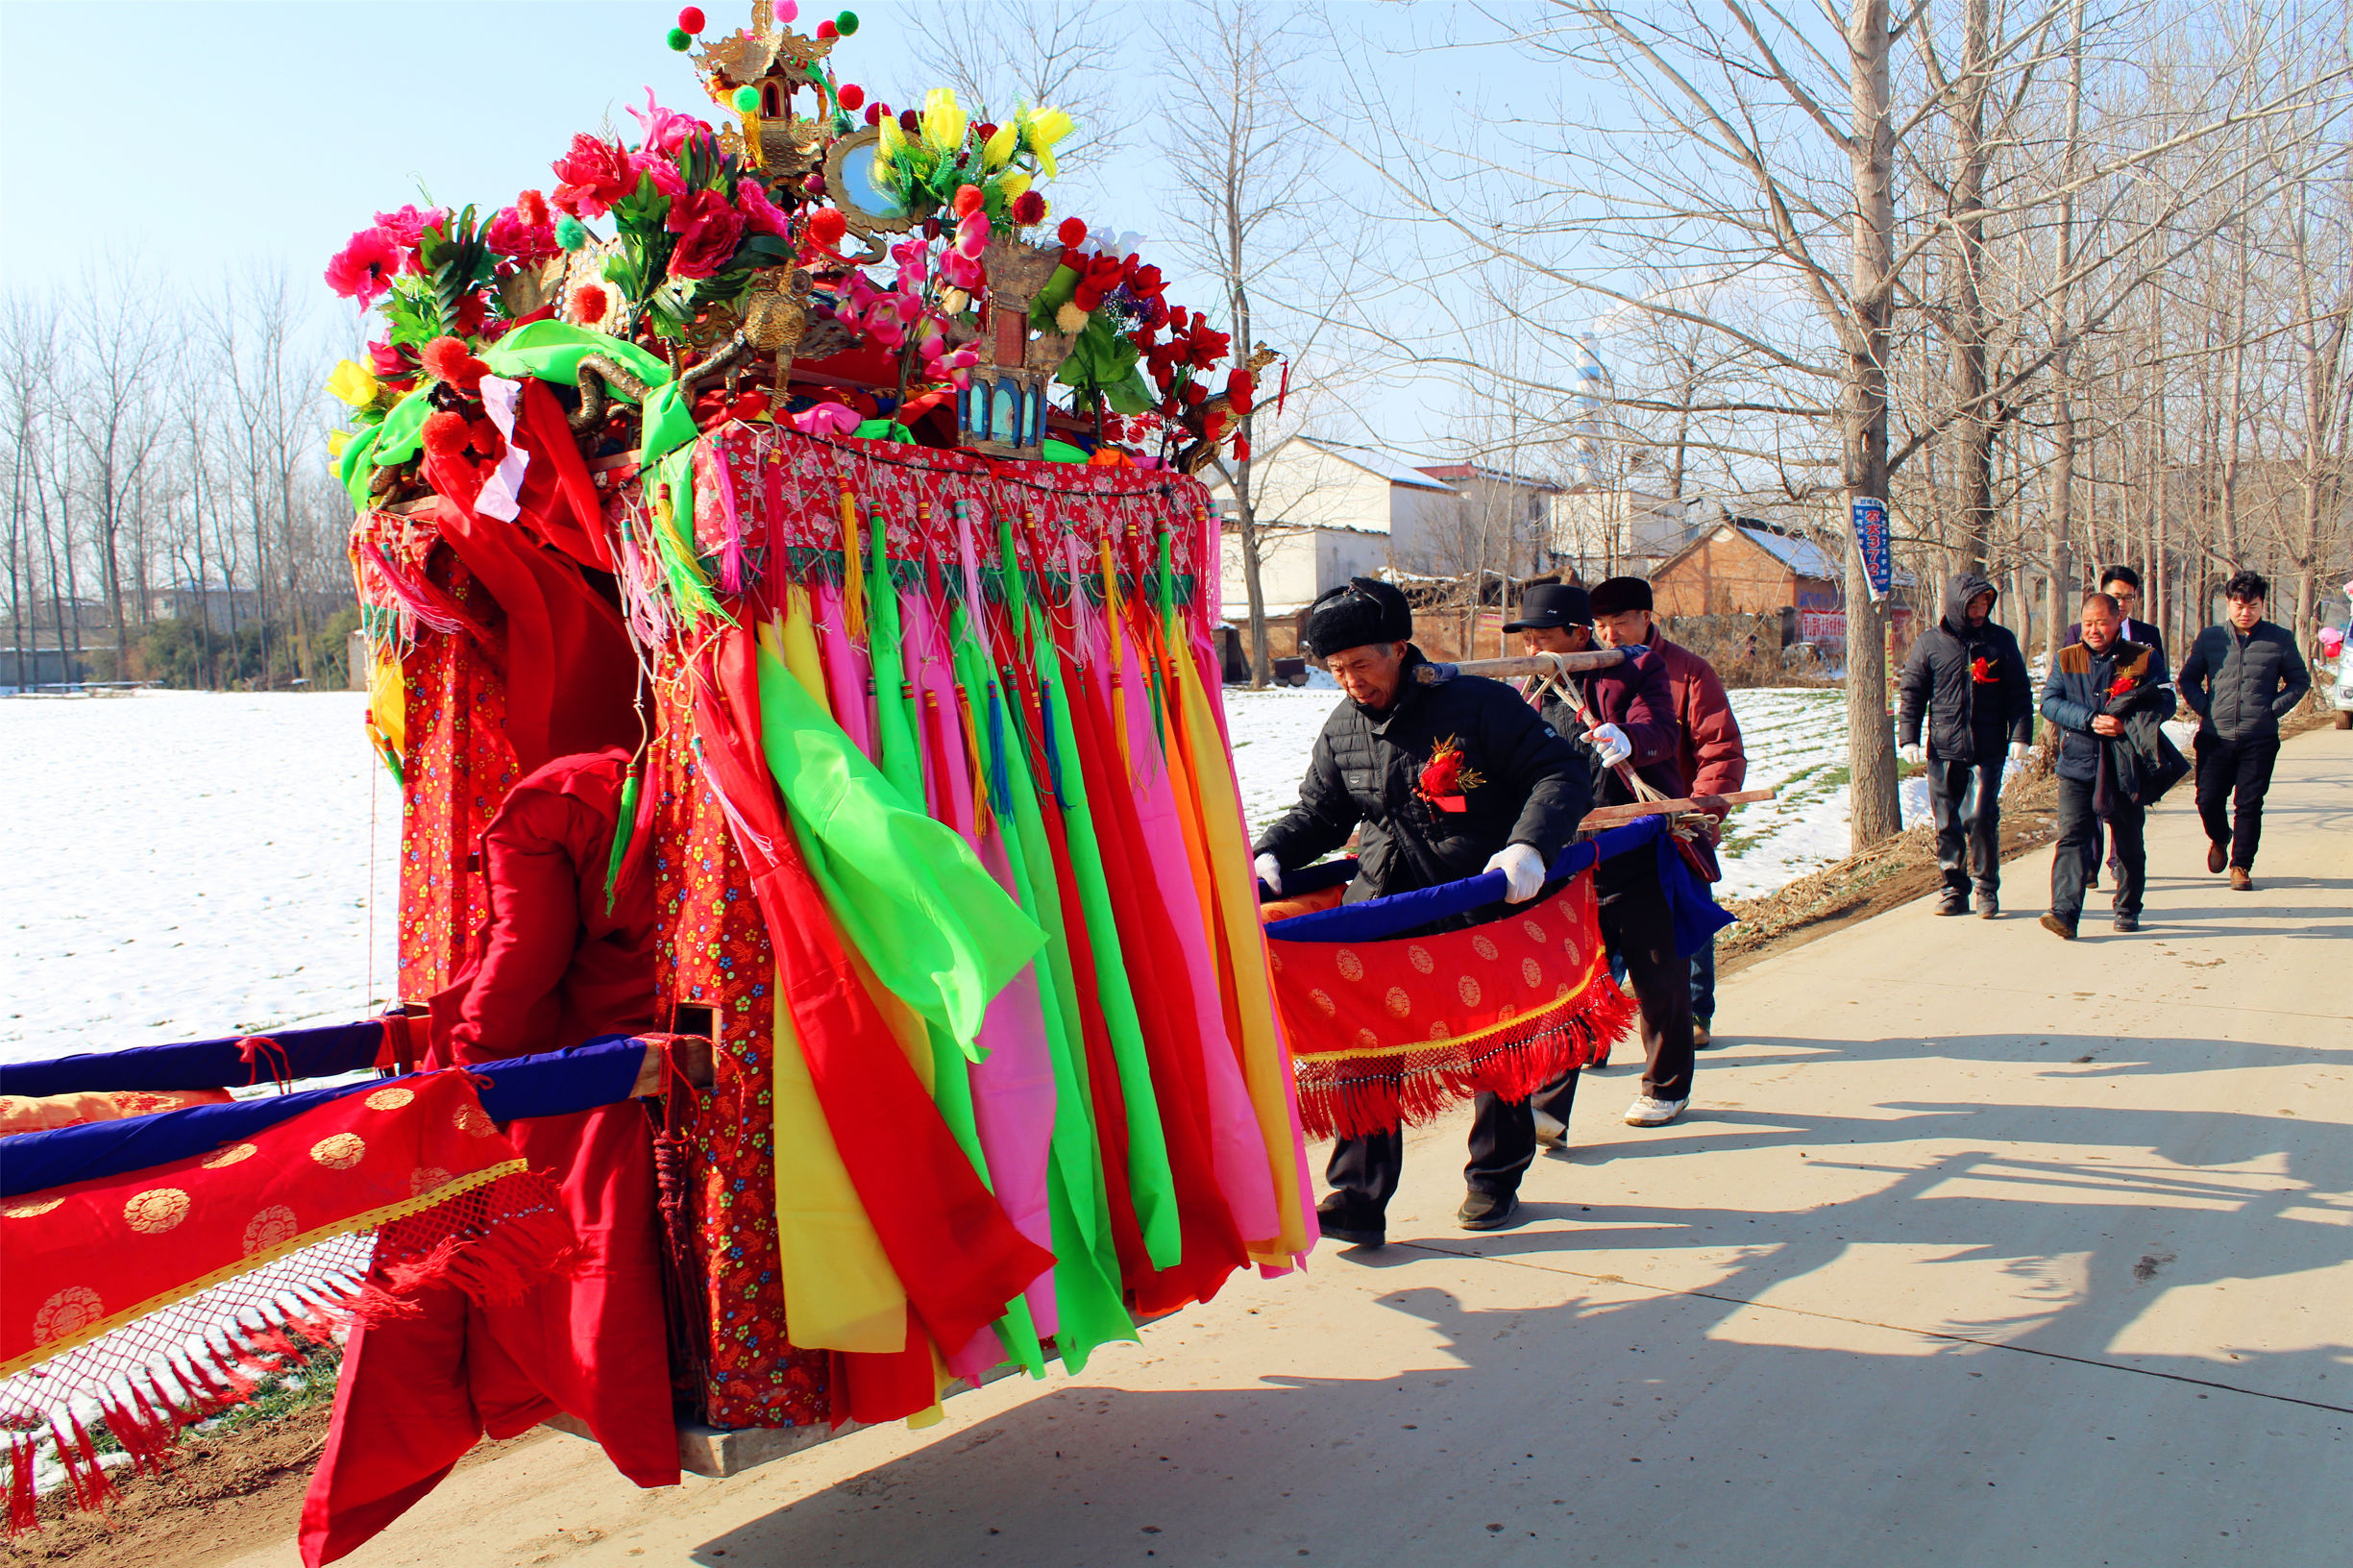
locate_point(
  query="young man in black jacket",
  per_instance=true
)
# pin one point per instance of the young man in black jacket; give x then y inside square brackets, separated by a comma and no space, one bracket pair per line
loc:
[2122,584]
[2095,685]
[1968,681]
[1518,795]
[2242,677]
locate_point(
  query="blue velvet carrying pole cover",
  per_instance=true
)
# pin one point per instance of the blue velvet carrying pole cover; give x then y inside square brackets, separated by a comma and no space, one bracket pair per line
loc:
[200,1064]
[556,1083]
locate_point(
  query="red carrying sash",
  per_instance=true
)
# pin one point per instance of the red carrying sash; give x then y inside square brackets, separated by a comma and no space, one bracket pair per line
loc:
[1397,1031]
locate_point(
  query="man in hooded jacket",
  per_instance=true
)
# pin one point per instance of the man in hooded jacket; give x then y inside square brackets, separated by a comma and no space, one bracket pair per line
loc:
[1967,680]
[1514,794]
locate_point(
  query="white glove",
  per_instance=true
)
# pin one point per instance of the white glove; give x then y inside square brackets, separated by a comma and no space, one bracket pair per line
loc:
[2020,750]
[1612,743]
[1271,872]
[1523,872]
[1915,753]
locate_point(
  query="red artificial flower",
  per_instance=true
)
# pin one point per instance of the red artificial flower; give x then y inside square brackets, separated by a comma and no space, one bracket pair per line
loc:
[471,309]
[512,232]
[534,208]
[363,268]
[850,96]
[445,360]
[827,226]
[592,177]
[1981,670]
[1241,450]
[2121,685]
[968,201]
[1194,394]
[1145,283]
[1213,427]
[1238,390]
[1100,274]
[909,121]
[445,433]
[409,225]
[590,302]
[691,20]
[1071,233]
[761,216]
[388,361]
[1444,779]
[1156,310]
[484,438]
[875,111]
[1028,207]
[708,231]
[826,30]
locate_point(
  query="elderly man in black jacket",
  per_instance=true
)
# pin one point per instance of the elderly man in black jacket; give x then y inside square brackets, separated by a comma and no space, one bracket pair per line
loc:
[2242,677]
[1968,680]
[2094,689]
[1505,793]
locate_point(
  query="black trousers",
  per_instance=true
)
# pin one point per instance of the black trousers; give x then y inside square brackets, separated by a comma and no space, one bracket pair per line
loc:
[1965,802]
[2078,833]
[1639,932]
[1363,1171]
[2233,777]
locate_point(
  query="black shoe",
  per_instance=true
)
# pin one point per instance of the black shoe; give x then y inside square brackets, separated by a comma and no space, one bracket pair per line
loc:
[1989,907]
[1952,903]
[2061,927]
[1343,1221]
[1488,1210]
[2126,922]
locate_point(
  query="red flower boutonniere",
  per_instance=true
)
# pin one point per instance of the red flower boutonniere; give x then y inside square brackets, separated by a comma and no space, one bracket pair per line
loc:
[1981,670]
[2121,686]
[1444,777]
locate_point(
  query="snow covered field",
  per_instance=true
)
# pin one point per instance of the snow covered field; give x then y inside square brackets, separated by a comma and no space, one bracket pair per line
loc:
[182,865]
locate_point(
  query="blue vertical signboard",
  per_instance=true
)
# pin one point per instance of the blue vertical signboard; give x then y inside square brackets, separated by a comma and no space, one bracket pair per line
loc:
[1871,539]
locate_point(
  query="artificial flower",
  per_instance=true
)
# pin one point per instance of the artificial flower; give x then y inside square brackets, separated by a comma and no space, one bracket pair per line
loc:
[761,216]
[1002,143]
[445,360]
[1042,130]
[337,441]
[850,96]
[1145,283]
[445,433]
[363,268]
[893,142]
[825,419]
[592,177]
[666,130]
[354,383]
[708,230]
[389,363]
[1238,390]
[512,234]
[973,233]
[1012,183]
[1444,778]
[827,226]
[2121,686]
[589,304]
[1981,670]
[1071,233]
[662,169]
[1028,208]
[1070,318]
[409,225]
[968,201]
[943,122]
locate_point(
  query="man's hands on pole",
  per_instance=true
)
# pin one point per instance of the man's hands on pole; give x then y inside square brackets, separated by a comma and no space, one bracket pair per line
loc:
[1523,872]
[1611,741]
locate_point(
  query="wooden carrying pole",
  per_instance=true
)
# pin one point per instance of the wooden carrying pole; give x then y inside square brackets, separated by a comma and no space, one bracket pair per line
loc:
[1602,817]
[1528,664]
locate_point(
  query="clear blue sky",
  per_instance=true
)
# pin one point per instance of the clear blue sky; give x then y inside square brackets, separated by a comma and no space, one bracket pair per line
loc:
[204,138]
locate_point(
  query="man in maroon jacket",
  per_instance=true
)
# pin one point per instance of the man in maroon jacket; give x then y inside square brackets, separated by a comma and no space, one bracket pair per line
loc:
[1625,716]
[1709,752]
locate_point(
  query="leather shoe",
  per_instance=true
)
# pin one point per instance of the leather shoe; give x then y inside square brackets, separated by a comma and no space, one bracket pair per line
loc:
[2216,857]
[1488,1210]
[2059,927]
[2241,881]
[1989,907]
[1952,903]
[1342,1221]
[2126,922]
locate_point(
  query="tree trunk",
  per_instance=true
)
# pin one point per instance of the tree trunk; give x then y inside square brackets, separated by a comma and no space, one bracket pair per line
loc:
[1974,427]
[1871,741]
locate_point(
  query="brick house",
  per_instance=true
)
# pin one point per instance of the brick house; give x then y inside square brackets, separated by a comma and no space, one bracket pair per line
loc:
[1744,567]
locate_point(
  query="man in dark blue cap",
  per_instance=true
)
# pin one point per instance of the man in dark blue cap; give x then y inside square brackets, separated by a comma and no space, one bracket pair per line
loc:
[1521,795]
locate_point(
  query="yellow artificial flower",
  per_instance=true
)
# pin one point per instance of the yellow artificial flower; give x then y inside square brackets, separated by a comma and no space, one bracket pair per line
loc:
[1044,128]
[894,142]
[1000,146]
[1012,185]
[352,382]
[337,440]
[943,122]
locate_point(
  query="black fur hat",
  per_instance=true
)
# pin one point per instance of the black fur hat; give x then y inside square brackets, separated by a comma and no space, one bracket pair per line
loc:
[1367,610]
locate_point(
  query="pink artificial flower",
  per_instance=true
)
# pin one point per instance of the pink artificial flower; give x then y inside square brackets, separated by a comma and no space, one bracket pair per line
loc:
[707,230]
[666,130]
[592,177]
[363,268]
[665,171]
[513,233]
[973,234]
[825,419]
[761,215]
[409,223]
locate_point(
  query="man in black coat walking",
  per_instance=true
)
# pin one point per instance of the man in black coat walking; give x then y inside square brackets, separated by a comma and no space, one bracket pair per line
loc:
[2095,688]
[2122,584]
[1968,681]
[2242,677]
[1447,778]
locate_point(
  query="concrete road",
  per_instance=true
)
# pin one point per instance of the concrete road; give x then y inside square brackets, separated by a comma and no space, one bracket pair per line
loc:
[1975,1248]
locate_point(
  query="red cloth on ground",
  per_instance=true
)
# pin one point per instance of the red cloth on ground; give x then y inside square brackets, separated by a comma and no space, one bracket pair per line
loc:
[555,969]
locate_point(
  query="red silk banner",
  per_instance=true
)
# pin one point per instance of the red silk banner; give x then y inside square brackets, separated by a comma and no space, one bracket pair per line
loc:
[87,1258]
[1396,1031]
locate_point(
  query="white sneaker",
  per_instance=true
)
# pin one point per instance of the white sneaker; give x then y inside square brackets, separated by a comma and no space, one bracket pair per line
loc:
[1647,1112]
[1552,1132]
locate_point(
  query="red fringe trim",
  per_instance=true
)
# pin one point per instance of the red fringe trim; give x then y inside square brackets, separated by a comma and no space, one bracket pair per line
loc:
[23,1505]
[1351,1096]
[495,1244]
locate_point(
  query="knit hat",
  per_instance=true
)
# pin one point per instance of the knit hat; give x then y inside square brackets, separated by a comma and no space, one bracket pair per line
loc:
[1553,604]
[1615,595]
[1367,610]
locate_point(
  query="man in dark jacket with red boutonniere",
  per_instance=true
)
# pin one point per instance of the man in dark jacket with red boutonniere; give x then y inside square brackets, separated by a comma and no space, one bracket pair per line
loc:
[1447,779]
[2122,584]
[1623,718]
[2107,697]
[1968,681]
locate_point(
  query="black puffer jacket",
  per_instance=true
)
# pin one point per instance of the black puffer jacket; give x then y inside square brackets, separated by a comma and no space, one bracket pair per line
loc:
[1367,767]
[2240,685]
[1968,719]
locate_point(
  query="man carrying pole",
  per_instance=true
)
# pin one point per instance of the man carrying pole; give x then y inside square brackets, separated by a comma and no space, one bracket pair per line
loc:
[1448,778]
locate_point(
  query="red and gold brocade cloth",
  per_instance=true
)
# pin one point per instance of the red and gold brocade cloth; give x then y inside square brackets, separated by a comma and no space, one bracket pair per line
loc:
[457,773]
[713,951]
[1395,1031]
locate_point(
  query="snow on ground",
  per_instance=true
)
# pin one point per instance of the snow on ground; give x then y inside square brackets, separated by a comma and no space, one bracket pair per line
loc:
[183,865]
